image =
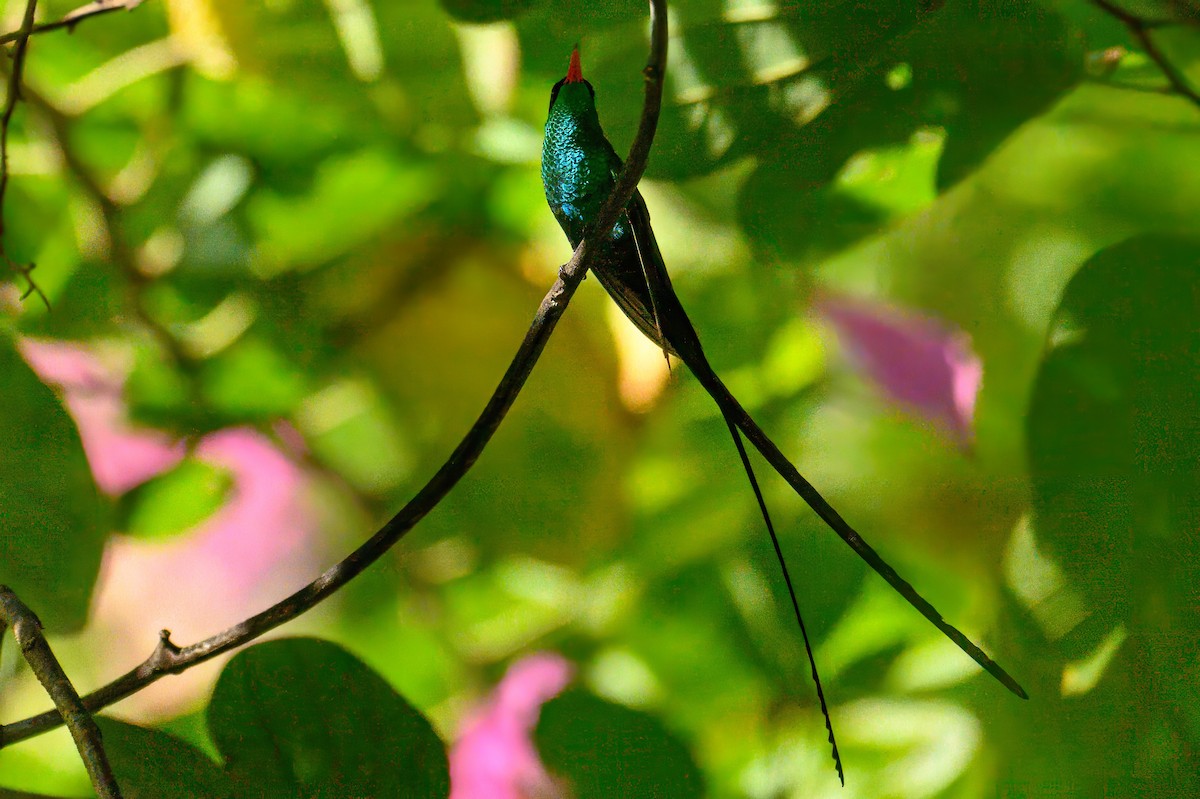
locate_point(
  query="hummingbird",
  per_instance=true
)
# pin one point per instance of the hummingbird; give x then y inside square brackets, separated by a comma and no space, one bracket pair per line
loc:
[579,170]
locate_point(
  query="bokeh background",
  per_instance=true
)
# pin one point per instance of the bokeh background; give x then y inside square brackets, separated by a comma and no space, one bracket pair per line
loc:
[945,252]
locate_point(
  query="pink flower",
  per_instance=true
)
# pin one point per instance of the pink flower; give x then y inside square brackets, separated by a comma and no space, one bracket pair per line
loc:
[261,545]
[494,757]
[918,362]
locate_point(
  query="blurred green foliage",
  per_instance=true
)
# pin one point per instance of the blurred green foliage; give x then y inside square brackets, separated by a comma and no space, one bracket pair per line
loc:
[326,219]
[176,501]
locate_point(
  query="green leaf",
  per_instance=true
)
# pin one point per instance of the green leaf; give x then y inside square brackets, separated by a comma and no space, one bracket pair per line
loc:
[1114,427]
[150,764]
[983,69]
[433,102]
[54,521]
[303,717]
[274,123]
[176,501]
[1114,451]
[605,750]
[157,389]
[253,380]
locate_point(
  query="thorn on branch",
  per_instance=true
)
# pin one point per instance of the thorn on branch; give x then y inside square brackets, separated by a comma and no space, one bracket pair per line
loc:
[165,657]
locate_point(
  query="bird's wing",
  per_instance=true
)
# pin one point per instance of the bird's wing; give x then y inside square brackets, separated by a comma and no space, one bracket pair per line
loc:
[634,304]
[634,272]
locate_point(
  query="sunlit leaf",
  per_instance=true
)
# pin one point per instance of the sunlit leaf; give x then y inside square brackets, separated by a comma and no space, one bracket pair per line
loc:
[176,501]
[253,380]
[352,199]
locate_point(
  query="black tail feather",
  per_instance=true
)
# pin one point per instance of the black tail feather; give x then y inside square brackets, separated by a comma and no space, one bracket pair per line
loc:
[787,578]
[637,279]
[735,414]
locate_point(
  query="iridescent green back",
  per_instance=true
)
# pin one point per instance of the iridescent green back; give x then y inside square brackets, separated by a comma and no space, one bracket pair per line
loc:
[578,163]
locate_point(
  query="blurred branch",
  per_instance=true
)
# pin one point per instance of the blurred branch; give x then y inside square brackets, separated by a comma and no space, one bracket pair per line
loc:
[70,20]
[121,254]
[11,99]
[27,630]
[1140,29]
[171,659]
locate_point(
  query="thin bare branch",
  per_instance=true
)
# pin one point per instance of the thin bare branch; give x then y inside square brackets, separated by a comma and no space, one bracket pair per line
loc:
[1141,29]
[73,18]
[17,92]
[121,254]
[68,706]
[168,658]
[13,97]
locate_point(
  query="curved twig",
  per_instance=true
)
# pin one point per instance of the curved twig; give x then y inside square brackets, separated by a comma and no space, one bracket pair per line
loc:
[73,18]
[21,37]
[1139,29]
[68,706]
[171,659]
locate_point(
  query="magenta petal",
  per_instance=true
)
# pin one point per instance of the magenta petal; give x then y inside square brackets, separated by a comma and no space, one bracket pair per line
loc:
[494,757]
[920,363]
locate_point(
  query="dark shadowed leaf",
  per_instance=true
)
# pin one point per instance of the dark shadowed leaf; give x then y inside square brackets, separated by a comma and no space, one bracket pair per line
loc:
[982,69]
[303,717]
[804,87]
[1114,427]
[52,516]
[150,764]
[605,750]
[1114,450]
[485,10]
